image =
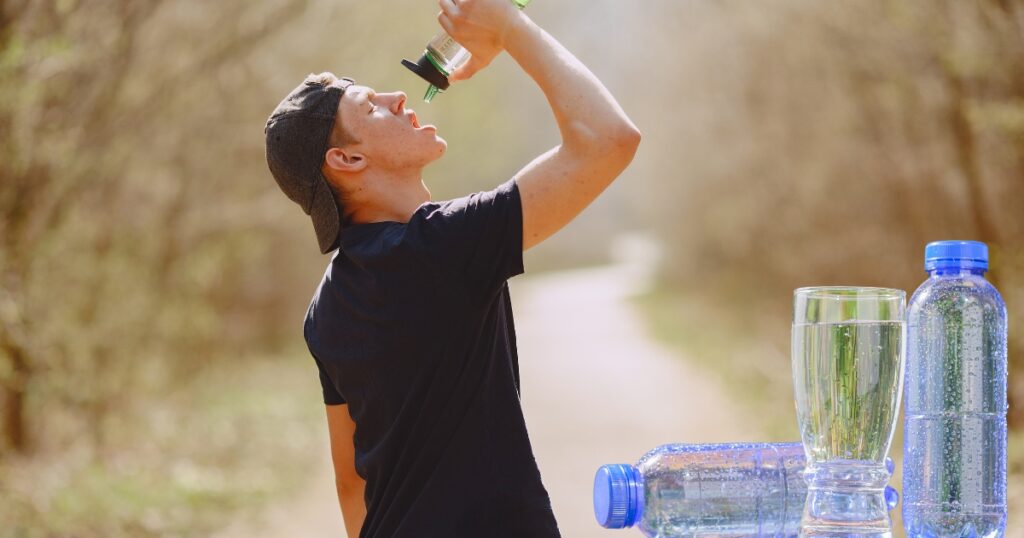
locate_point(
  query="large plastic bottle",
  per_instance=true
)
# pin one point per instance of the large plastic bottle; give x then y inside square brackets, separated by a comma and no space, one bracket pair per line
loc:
[738,490]
[954,476]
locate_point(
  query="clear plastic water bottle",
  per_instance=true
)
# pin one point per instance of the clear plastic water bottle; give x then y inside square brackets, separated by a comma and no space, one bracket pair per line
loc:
[442,56]
[954,476]
[678,490]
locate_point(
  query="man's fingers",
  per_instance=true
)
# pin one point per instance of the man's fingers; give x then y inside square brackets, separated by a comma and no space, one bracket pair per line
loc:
[445,22]
[449,7]
[467,70]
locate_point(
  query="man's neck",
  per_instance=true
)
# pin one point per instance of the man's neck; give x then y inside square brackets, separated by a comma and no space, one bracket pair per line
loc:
[395,198]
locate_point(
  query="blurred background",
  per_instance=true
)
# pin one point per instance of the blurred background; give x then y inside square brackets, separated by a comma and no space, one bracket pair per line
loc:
[153,279]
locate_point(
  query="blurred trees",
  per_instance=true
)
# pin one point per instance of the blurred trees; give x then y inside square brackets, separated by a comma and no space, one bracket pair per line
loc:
[118,247]
[827,142]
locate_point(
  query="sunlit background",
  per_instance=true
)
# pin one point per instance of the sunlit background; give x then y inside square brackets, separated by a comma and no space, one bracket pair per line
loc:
[153,279]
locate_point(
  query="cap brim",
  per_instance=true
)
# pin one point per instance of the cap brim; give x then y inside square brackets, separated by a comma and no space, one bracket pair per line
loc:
[324,212]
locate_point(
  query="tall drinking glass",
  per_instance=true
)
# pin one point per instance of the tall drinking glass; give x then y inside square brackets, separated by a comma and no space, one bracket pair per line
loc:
[847,376]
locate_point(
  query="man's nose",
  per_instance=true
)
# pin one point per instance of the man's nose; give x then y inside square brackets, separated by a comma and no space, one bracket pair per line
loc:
[399,102]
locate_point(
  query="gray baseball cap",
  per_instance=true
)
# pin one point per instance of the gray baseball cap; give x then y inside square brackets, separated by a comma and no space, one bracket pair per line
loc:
[297,134]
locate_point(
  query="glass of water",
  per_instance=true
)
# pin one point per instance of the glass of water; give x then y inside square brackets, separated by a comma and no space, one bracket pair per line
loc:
[848,348]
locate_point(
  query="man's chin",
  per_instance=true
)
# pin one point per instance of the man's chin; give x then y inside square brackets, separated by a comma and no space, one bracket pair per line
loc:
[438,151]
[442,145]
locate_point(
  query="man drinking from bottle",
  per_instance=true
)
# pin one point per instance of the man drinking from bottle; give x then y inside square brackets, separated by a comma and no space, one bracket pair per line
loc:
[412,327]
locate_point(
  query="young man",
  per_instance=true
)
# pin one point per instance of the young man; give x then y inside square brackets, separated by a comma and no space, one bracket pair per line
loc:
[412,327]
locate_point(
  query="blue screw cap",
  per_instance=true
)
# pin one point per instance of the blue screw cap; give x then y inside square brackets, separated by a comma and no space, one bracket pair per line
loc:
[956,255]
[618,496]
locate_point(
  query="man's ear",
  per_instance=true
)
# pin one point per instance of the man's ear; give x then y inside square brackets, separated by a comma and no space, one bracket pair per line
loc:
[345,160]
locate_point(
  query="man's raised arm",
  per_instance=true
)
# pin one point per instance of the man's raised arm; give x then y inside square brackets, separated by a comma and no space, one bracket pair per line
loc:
[598,139]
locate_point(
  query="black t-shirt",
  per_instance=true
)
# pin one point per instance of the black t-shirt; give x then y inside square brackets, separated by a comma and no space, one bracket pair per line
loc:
[412,328]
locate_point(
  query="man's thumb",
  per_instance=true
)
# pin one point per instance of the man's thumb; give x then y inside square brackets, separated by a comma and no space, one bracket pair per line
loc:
[467,70]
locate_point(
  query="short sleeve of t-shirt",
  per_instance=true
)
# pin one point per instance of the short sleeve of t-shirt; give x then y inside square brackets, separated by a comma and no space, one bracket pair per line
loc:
[331,395]
[330,391]
[478,239]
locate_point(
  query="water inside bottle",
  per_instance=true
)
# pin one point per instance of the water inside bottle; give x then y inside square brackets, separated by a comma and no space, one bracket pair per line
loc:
[739,492]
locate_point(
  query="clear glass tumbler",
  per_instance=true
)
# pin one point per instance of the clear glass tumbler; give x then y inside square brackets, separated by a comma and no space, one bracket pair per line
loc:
[848,348]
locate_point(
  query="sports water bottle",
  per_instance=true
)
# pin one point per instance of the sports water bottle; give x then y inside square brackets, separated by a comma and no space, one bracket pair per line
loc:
[442,56]
[739,490]
[954,476]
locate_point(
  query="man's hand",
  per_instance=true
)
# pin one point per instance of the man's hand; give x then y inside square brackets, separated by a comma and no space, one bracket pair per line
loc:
[481,27]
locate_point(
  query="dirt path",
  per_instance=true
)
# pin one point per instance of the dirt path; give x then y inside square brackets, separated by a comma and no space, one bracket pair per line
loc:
[596,389]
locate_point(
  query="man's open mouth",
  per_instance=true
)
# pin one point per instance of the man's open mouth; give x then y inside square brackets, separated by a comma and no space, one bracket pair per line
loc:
[414,120]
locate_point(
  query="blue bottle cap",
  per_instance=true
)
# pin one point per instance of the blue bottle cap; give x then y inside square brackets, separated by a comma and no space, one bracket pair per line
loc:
[956,255]
[618,496]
